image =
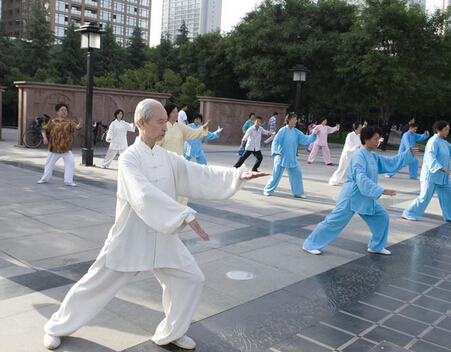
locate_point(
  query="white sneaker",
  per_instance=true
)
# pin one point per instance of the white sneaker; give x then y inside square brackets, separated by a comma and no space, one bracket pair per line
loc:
[303,196]
[185,342]
[312,251]
[51,342]
[70,184]
[383,251]
[103,167]
[408,217]
[388,176]
[40,182]
[266,194]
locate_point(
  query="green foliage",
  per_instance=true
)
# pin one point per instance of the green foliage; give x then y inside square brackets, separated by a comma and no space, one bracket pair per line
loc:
[182,37]
[190,90]
[70,60]
[111,56]
[136,50]
[39,40]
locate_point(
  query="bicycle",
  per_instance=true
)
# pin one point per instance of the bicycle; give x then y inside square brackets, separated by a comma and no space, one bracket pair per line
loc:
[32,138]
[99,134]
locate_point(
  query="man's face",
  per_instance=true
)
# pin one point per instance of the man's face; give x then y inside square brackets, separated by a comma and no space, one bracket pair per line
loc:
[185,108]
[155,129]
[257,123]
[292,122]
[119,116]
[413,130]
[62,112]
[444,132]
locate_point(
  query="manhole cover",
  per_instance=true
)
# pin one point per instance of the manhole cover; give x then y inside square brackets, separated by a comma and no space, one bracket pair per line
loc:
[240,275]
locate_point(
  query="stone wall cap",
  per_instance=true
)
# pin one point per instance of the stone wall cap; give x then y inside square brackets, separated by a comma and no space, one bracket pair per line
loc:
[240,101]
[25,84]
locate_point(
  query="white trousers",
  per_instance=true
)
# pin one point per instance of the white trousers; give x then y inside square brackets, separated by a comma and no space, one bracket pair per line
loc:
[182,289]
[110,154]
[341,171]
[69,166]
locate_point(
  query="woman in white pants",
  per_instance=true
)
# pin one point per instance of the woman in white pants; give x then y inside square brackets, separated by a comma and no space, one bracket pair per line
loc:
[117,137]
[60,145]
[352,144]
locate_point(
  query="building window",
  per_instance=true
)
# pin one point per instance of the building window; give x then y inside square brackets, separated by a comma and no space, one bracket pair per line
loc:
[144,12]
[118,30]
[59,31]
[105,3]
[131,21]
[119,6]
[61,6]
[105,15]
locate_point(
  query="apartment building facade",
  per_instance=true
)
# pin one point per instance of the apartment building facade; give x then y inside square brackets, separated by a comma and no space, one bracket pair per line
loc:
[123,15]
[200,17]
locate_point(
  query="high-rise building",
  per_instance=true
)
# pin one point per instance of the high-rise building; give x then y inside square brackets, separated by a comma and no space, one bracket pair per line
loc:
[200,16]
[123,15]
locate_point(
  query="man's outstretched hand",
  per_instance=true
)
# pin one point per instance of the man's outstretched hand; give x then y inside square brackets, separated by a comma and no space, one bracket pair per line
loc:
[248,175]
[199,230]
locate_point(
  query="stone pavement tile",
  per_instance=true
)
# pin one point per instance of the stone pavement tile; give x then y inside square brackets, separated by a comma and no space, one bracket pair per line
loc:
[359,345]
[267,279]
[8,213]
[409,285]
[420,314]
[299,344]
[210,256]
[387,347]
[14,270]
[423,346]
[292,258]
[105,204]
[47,207]
[251,245]
[347,322]
[45,245]
[149,346]
[213,302]
[398,293]
[73,220]
[446,285]
[383,302]
[96,233]
[406,325]
[445,323]
[28,227]
[73,271]
[380,334]
[64,260]
[326,335]
[440,294]
[439,337]
[259,324]
[281,237]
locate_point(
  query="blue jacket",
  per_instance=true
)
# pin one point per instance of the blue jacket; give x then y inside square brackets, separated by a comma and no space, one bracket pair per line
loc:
[193,147]
[436,156]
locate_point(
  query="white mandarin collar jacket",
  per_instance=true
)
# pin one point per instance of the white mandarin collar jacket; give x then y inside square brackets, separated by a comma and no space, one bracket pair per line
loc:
[148,216]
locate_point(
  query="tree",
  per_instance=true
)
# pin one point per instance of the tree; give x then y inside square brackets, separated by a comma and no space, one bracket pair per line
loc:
[111,56]
[136,50]
[190,90]
[182,37]
[143,79]
[6,55]
[70,60]
[170,83]
[39,40]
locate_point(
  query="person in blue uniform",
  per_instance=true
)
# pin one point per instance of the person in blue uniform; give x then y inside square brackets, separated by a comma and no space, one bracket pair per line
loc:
[435,175]
[408,140]
[284,147]
[193,147]
[359,195]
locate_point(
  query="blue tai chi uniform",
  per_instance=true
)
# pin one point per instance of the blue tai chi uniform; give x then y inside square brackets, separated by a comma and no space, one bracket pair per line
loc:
[408,140]
[359,195]
[286,143]
[436,156]
[193,147]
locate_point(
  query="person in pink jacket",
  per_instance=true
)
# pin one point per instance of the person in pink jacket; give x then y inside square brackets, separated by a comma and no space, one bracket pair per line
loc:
[321,141]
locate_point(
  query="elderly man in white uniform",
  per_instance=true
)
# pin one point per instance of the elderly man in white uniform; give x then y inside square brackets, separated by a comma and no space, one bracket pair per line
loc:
[144,235]
[117,137]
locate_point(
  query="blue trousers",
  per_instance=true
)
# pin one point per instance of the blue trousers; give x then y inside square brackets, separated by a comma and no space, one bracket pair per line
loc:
[336,221]
[201,159]
[413,170]
[294,175]
[419,205]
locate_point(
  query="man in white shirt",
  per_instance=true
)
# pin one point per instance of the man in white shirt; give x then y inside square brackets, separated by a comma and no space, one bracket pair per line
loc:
[145,234]
[253,137]
[183,118]
[272,127]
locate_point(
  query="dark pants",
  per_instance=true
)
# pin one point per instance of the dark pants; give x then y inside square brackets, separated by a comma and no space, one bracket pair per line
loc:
[242,159]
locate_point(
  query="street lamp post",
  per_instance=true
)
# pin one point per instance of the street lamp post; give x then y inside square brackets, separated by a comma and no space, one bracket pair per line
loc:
[90,39]
[299,76]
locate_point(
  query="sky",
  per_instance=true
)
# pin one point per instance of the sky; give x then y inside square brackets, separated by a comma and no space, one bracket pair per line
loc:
[232,12]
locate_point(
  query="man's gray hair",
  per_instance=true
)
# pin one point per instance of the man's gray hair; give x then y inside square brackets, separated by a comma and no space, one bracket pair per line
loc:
[144,110]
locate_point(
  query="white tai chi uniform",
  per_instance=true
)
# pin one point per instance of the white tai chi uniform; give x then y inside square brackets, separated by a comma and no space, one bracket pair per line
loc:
[352,144]
[117,133]
[144,237]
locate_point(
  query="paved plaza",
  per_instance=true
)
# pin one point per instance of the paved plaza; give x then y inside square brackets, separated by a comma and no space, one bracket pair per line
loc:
[343,300]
